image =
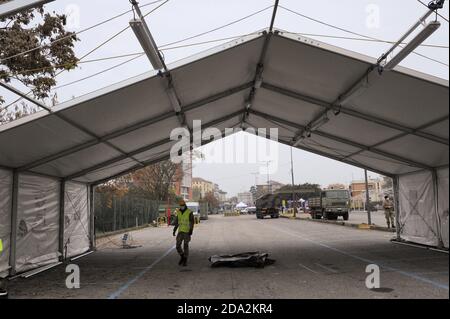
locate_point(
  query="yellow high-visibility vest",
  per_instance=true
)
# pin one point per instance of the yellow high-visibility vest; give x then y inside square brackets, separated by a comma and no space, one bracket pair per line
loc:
[1,245]
[184,225]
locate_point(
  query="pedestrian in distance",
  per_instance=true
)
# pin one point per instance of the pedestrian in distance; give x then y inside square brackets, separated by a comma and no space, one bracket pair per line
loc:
[184,223]
[389,212]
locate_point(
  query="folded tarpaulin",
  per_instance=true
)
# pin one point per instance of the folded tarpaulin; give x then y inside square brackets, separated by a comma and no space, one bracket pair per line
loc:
[250,259]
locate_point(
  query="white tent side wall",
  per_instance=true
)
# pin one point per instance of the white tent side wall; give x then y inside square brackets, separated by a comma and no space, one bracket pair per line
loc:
[5,219]
[38,237]
[37,222]
[443,199]
[76,219]
[423,215]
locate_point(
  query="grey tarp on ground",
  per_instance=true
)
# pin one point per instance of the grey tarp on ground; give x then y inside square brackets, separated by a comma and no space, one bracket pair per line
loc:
[397,124]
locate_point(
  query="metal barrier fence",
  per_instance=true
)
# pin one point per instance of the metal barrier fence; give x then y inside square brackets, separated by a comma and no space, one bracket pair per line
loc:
[114,212]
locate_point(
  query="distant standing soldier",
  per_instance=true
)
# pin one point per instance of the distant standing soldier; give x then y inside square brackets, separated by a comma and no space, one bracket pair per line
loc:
[184,222]
[389,211]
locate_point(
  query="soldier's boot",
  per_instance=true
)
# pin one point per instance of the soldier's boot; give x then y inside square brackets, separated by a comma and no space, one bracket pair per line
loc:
[181,260]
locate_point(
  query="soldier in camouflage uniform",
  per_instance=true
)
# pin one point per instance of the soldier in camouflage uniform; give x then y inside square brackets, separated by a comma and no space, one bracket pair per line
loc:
[389,212]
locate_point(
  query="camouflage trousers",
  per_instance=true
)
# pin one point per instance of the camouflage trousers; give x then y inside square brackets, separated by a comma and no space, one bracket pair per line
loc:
[389,215]
[183,239]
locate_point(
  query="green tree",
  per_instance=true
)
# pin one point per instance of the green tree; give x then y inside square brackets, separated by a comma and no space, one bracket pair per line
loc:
[48,45]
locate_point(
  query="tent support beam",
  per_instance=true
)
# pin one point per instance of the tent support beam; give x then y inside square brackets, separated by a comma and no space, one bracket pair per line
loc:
[62,192]
[344,141]
[356,114]
[149,162]
[435,181]
[60,116]
[145,148]
[396,137]
[10,8]
[372,74]
[14,211]
[131,170]
[396,184]
[91,217]
[136,126]
[117,159]
[257,80]
[336,158]
[425,170]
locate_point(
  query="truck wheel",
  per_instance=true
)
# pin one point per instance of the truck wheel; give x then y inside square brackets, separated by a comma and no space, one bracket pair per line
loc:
[345,216]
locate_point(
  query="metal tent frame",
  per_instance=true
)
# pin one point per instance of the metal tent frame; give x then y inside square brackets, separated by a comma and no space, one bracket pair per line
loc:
[324,99]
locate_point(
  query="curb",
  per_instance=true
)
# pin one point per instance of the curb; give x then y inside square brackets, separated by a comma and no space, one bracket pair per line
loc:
[346,224]
[121,231]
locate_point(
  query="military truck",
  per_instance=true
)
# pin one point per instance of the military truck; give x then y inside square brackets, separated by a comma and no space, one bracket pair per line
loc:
[330,204]
[268,205]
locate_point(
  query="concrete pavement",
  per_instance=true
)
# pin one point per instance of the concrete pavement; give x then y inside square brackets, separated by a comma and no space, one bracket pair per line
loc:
[313,260]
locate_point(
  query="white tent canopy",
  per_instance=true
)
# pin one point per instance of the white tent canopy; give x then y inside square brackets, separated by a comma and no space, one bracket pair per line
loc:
[396,124]
[241,205]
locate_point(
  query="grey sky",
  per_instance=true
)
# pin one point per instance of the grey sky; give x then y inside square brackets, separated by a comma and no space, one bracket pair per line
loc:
[179,19]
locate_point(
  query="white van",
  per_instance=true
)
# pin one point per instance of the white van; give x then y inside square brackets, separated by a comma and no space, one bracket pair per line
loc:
[194,207]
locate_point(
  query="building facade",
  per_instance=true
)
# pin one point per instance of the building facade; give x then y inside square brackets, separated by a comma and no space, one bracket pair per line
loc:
[246,198]
[202,185]
[358,192]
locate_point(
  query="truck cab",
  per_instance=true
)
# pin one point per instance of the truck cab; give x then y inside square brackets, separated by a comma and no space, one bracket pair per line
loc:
[330,204]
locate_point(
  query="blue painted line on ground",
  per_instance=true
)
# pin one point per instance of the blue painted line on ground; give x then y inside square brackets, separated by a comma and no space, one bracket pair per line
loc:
[405,273]
[123,288]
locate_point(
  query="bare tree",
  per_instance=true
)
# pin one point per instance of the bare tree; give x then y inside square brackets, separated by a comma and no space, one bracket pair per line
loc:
[156,181]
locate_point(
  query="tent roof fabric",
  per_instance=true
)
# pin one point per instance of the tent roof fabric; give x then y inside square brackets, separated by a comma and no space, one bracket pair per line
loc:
[397,124]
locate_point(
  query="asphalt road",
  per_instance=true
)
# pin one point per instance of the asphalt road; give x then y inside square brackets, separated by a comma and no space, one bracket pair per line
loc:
[313,260]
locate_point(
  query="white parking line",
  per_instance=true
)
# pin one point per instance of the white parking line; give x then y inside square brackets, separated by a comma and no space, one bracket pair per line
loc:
[117,293]
[365,260]
[307,268]
[327,268]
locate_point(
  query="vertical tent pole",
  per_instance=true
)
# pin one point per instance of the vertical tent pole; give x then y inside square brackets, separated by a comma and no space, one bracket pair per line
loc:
[436,206]
[62,192]
[396,182]
[92,218]
[294,203]
[369,218]
[14,207]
